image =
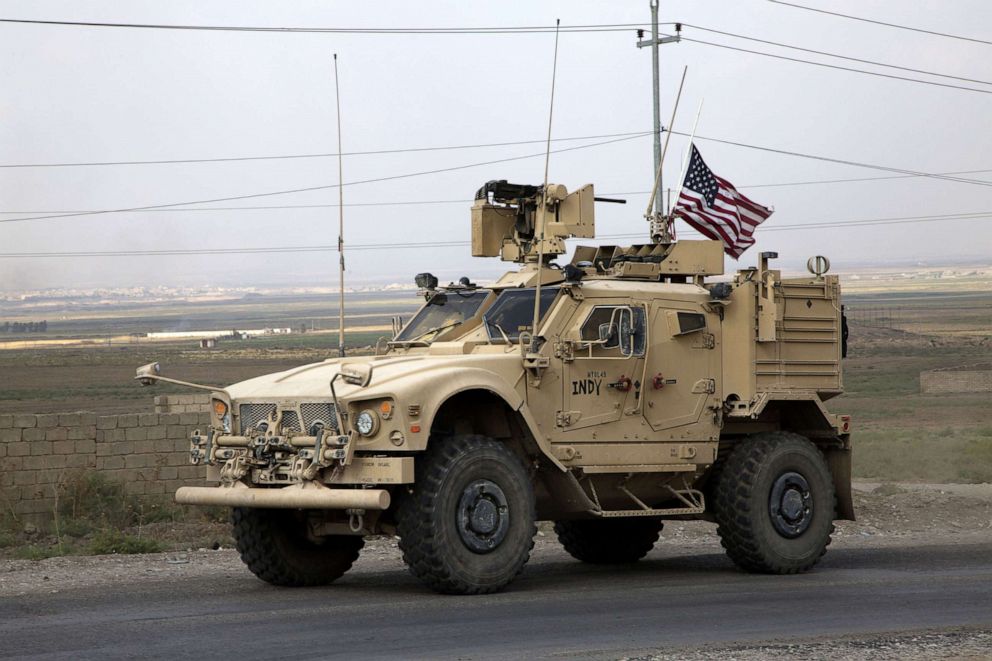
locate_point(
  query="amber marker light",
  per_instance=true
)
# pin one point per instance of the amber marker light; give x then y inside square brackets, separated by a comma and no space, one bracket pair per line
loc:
[386,410]
[220,408]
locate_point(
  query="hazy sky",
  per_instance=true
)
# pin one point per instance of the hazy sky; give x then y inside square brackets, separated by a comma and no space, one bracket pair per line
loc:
[80,94]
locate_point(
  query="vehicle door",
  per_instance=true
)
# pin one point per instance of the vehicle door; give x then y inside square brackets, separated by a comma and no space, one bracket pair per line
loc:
[603,372]
[683,369]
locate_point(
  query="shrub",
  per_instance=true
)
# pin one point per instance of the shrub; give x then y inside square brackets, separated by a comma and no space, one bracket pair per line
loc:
[111,541]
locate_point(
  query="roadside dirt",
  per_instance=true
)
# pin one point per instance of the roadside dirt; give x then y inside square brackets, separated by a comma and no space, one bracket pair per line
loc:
[888,514]
[917,646]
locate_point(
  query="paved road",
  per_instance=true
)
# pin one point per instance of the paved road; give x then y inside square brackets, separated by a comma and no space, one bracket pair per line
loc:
[558,608]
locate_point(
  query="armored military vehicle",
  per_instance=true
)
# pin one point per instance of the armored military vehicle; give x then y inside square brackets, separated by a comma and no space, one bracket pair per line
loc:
[649,388]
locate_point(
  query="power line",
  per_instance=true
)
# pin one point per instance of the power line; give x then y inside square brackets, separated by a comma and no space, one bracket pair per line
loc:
[405,150]
[827,159]
[836,66]
[172,206]
[452,244]
[279,207]
[890,25]
[324,186]
[842,57]
[527,29]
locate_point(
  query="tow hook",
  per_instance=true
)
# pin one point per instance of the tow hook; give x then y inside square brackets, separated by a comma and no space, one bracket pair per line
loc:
[356,519]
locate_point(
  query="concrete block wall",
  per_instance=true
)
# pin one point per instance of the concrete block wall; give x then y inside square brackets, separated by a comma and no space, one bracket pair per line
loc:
[198,403]
[148,453]
[952,381]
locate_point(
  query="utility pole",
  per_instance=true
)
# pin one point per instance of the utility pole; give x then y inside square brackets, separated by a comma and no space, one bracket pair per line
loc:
[654,42]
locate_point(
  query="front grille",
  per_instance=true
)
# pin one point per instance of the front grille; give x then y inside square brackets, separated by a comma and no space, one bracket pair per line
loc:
[290,421]
[312,412]
[252,414]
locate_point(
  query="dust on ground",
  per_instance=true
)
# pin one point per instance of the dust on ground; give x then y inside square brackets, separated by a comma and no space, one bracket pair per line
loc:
[960,644]
[889,514]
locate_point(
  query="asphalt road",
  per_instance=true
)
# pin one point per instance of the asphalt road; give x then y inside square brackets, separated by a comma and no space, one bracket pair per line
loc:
[557,608]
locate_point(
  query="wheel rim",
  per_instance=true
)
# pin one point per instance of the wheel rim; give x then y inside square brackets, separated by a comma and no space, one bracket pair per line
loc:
[483,516]
[791,505]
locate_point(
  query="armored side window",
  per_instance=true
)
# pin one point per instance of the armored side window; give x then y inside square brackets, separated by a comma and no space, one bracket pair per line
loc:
[683,323]
[615,331]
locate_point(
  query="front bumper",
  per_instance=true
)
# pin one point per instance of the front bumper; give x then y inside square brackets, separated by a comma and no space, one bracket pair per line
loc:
[308,495]
[280,461]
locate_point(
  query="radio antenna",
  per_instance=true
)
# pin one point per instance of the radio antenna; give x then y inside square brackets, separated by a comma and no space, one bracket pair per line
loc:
[659,228]
[544,199]
[337,100]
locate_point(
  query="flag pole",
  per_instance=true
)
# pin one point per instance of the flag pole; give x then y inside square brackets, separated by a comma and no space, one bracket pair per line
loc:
[649,214]
[688,152]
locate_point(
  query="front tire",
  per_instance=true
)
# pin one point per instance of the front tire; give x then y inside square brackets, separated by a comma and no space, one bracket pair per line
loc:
[775,504]
[468,526]
[275,546]
[609,541]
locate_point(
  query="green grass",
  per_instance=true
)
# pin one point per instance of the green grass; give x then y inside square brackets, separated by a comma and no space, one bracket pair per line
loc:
[950,454]
[110,541]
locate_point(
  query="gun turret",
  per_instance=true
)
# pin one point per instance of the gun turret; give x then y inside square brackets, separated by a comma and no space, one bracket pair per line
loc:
[518,221]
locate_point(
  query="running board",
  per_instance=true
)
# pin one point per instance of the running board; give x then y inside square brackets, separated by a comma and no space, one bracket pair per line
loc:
[671,511]
[693,499]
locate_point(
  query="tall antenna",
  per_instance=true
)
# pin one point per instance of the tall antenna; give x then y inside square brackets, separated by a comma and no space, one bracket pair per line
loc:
[659,228]
[544,199]
[337,99]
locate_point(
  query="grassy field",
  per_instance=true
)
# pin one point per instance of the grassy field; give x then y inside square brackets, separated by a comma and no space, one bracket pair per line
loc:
[899,329]
[90,361]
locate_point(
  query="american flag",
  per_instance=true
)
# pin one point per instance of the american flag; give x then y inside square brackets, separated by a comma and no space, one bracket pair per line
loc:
[716,210]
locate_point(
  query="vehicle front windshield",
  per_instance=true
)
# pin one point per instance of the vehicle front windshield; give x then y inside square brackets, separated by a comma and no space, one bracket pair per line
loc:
[513,313]
[445,310]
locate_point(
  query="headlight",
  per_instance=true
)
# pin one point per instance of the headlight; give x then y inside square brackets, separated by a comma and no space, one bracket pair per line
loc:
[367,423]
[222,414]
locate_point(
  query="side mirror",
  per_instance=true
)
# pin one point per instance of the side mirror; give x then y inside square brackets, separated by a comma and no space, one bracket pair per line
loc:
[608,335]
[148,374]
[357,374]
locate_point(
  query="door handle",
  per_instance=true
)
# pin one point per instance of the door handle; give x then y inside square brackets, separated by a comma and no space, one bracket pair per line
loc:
[623,384]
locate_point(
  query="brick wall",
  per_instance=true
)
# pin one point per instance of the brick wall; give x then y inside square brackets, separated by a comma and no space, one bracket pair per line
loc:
[199,403]
[146,452]
[952,381]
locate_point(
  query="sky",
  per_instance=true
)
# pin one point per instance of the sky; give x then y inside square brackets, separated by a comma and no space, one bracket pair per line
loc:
[71,94]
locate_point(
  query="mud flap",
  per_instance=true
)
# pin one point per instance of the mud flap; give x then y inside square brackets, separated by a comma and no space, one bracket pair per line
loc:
[839,461]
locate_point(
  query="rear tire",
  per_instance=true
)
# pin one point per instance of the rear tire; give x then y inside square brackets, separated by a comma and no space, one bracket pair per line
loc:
[275,546]
[609,541]
[774,504]
[468,526]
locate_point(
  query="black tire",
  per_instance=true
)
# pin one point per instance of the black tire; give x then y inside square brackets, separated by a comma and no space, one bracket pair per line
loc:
[775,504]
[468,526]
[275,546]
[609,541]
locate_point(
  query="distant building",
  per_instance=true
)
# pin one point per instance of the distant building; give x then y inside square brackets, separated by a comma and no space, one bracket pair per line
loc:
[240,334]
[208,343]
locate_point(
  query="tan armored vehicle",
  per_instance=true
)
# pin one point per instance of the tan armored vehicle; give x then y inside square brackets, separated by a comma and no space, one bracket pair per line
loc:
[646,392]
